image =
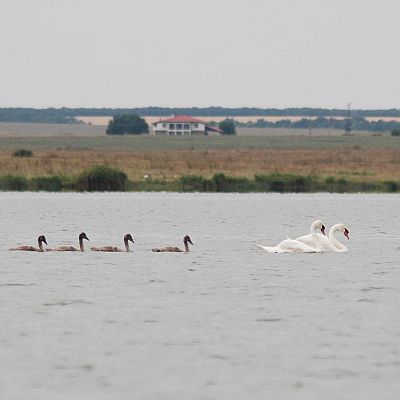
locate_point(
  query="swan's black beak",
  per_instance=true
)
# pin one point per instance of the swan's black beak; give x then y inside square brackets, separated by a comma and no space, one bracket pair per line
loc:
[323,229]
[346,233]
[44,241]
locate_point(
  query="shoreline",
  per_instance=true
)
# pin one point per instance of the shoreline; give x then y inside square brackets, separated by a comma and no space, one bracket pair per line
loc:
[219,183]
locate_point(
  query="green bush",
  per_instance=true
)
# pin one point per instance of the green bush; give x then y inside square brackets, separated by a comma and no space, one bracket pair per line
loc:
[193,183]
[103,179]
[224,183]
[263,182]
[219,180]
[278,185]
[13,183]
[395,132]
[365,187]
[48,183]
[391,186]
[301,184]
[22,153]
[285,183]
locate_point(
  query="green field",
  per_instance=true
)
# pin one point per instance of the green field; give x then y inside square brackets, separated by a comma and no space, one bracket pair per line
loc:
[197,143]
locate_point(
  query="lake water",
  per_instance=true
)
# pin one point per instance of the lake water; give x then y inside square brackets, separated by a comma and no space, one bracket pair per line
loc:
[226,321]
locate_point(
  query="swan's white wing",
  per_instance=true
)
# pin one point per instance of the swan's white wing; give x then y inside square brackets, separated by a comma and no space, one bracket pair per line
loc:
[268,248]
[324,243]
[294,246]
[289,246]
[307,239]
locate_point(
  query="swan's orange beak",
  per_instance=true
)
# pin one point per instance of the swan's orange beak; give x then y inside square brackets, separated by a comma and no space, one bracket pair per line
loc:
[346,233]
[323,229]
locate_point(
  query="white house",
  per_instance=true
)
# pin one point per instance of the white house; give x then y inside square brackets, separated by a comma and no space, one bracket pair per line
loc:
[183,125]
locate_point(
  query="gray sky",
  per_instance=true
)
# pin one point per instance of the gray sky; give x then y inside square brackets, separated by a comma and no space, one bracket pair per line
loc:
[270,53]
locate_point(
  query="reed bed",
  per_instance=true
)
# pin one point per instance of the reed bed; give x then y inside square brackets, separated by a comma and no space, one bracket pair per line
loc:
[351,163]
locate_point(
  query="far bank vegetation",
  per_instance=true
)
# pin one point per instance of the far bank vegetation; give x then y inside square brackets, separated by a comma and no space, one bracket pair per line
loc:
[241,170]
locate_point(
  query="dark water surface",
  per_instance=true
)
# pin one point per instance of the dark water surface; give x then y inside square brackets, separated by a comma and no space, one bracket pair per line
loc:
[227,321]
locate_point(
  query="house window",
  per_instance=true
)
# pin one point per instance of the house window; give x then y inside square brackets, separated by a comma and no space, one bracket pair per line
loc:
[179,126]
[196,125]
[171,126]
[186,126]
[164,125]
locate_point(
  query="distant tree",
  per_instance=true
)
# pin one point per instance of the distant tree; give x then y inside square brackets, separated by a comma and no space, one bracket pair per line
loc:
[22,153]
[130,124]
[395,132]
[227,127]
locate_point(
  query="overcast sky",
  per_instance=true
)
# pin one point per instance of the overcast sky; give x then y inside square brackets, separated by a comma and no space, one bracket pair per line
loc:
[232,53]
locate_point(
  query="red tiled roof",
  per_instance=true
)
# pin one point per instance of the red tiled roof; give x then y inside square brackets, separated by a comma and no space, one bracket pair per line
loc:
[213,129]
[184,119]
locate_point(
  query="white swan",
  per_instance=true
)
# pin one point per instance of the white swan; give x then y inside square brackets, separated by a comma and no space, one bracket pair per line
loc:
[289,246]
[313,239]
[295,246]
[327,244]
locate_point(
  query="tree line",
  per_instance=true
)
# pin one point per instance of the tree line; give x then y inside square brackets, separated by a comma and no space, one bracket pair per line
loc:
[357,124]
[67,115]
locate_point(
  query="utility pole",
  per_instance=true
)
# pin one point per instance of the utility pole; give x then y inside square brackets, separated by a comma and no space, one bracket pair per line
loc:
[347,128]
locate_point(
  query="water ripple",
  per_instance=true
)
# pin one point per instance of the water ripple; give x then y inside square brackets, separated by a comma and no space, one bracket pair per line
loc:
[66,303]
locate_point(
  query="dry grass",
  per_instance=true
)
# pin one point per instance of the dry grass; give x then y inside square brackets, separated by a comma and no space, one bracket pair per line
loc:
[353,164]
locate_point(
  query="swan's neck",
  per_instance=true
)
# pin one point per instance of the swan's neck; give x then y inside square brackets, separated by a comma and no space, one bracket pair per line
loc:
[81,245]
[40,245]
[333,239]
[186,246]
[126,245]
[315,236]
[313,230]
